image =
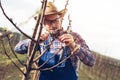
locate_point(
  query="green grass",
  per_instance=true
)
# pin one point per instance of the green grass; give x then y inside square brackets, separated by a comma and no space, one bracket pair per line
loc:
[83,76]
[7,70]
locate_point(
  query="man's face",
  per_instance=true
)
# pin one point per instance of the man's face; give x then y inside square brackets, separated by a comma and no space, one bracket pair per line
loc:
[52,22]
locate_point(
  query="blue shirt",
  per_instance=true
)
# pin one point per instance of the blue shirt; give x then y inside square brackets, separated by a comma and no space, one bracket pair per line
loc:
[68,67]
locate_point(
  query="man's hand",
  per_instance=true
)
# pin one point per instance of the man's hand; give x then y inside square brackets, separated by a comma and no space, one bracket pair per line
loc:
[44,34]
[68,40]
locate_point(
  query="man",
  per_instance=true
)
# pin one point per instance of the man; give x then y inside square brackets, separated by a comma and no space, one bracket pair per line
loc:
[69,43]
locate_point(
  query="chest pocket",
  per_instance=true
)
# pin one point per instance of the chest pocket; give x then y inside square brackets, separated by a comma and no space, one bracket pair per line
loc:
[50,56]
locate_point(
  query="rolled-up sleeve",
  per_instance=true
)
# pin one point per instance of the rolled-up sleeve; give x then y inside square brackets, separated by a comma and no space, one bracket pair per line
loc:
[84,53]
[86,56]
[22,46]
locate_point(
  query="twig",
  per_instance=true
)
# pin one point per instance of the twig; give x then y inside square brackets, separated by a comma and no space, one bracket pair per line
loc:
[14,52]
[64,10]
[5,35]
[50,58]
[72,53]
[69,28]
[47,47]
[32,49]
[11,59]
[10,19]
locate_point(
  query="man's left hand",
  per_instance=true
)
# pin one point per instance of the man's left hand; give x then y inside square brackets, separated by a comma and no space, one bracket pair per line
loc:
[68,40]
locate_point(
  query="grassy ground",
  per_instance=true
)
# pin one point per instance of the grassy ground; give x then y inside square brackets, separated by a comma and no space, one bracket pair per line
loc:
[9,72]
[83,76]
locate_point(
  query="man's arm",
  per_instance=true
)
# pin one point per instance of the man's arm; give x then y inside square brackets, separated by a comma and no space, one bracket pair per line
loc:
[84,53]
[22,46]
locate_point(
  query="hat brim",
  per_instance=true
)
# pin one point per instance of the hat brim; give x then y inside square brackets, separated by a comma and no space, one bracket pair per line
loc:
[61,13]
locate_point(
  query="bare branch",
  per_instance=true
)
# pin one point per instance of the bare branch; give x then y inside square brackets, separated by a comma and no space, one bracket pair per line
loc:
[10,19]
[32,49]
[5,35]
[31,61]
[50,58]
[47,47]
[64,10]
[72,53]
[69,28]
[14,52]
[11,59]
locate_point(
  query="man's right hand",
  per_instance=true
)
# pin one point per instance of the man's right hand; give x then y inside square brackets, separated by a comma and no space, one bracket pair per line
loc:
[44,34]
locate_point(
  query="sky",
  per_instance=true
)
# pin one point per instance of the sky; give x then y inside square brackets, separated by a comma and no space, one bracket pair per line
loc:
[97,21]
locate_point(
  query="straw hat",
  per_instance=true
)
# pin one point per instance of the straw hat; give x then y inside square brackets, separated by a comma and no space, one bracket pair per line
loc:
[52,9]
